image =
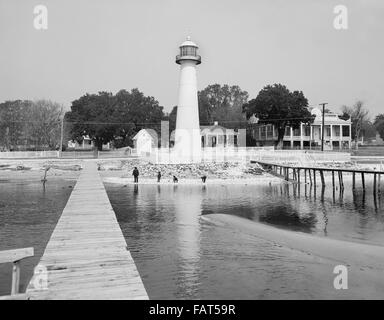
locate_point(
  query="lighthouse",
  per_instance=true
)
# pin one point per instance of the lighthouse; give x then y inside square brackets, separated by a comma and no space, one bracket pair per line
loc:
[187,134]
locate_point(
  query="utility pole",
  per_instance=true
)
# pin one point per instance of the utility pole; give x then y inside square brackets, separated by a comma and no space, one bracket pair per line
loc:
[61,136]
[322,125]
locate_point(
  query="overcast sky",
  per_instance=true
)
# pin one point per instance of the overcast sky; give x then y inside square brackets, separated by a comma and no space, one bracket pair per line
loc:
[94,45]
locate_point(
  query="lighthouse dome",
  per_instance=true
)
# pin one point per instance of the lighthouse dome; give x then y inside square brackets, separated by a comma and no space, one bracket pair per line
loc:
[188,43]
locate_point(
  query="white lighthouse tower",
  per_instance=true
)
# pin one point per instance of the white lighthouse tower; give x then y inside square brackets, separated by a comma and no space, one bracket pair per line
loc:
[187,134]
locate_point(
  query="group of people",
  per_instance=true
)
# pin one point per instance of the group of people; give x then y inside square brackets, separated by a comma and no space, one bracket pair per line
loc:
[136,173]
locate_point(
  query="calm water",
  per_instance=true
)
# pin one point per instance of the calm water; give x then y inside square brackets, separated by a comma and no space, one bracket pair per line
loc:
[28,215]
[181,254]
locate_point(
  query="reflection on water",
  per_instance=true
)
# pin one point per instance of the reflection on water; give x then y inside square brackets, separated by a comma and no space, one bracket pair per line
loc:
[29,212]
[181,254]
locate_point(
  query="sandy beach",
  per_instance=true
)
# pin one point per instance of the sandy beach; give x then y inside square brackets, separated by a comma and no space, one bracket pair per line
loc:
[365,262]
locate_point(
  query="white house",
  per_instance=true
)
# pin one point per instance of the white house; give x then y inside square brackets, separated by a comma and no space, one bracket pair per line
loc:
[215,136]
[145,141]
[337,134]
[218,136]
[86,144]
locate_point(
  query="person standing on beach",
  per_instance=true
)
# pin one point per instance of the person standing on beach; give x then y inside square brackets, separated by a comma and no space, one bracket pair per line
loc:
[158,176]
[135,174]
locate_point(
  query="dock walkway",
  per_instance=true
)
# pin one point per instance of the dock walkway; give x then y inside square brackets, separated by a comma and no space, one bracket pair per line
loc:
[87,256]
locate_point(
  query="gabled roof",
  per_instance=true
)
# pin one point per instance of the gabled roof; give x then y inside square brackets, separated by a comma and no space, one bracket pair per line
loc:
[150,132]
[213,127]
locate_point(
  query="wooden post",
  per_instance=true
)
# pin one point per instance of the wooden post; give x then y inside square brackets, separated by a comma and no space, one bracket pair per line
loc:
[341,180]
[298,176]
[363,180]
[353,180]
[322,177]
[15,278]
[378,183]
[314,177]
[310,176]
[333,179]
[374,183]
[305,176]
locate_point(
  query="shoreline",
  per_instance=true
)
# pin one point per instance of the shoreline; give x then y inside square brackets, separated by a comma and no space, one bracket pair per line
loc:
[262,179]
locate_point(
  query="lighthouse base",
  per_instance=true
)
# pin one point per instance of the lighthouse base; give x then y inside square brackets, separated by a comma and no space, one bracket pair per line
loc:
[187,146]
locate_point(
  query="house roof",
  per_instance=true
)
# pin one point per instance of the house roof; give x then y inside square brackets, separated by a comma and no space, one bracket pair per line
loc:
[213,127]
[152,133]
[208,128]
[329,117]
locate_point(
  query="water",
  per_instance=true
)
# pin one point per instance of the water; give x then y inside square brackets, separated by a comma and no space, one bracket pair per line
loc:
[182,254]
[179,248]
[28,215]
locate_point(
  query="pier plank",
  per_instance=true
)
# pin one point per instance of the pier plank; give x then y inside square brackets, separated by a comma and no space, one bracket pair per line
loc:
[87,256]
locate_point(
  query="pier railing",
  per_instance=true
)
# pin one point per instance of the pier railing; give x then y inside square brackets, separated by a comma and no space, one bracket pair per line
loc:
[14,257]
[284,171]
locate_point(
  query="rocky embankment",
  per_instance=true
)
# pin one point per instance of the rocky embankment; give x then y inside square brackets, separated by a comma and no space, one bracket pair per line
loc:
[224,170]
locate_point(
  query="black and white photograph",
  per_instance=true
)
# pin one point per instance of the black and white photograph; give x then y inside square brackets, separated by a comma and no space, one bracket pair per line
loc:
[178,151]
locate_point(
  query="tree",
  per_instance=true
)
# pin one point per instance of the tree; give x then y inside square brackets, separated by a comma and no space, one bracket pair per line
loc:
[379,124]
[13,117]
[368,130]
[30,124]
[276,105]
[358,115]
[45,123]
[105,117]
[172,119]
[222,103]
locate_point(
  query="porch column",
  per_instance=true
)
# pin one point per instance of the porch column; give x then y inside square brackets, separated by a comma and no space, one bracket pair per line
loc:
[301,137]
[341,137]
[310,136]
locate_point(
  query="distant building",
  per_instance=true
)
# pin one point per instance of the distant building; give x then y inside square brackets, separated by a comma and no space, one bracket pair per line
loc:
[215,136]
[85,144]
[218,136]
[337,133]
[145,140]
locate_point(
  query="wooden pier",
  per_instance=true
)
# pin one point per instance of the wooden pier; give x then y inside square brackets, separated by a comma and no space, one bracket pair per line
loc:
[310,172]
[87,256]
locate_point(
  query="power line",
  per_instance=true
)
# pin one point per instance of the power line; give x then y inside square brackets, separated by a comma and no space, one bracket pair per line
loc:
[154,123]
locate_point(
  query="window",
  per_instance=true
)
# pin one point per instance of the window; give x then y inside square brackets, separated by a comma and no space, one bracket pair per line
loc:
[296,132]
[337,131]
[269,131]
[307,131]
[346,131]
[256,133]
[188,51]
[262,133]
[328,131]
[287,131]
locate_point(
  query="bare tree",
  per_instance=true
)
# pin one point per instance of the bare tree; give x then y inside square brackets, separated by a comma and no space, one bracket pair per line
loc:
[358,115]
[45,123]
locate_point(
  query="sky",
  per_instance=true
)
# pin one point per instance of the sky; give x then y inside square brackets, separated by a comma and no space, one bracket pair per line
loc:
[108,45]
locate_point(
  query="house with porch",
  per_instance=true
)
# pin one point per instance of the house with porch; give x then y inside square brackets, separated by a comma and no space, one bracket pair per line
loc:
[337,133]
